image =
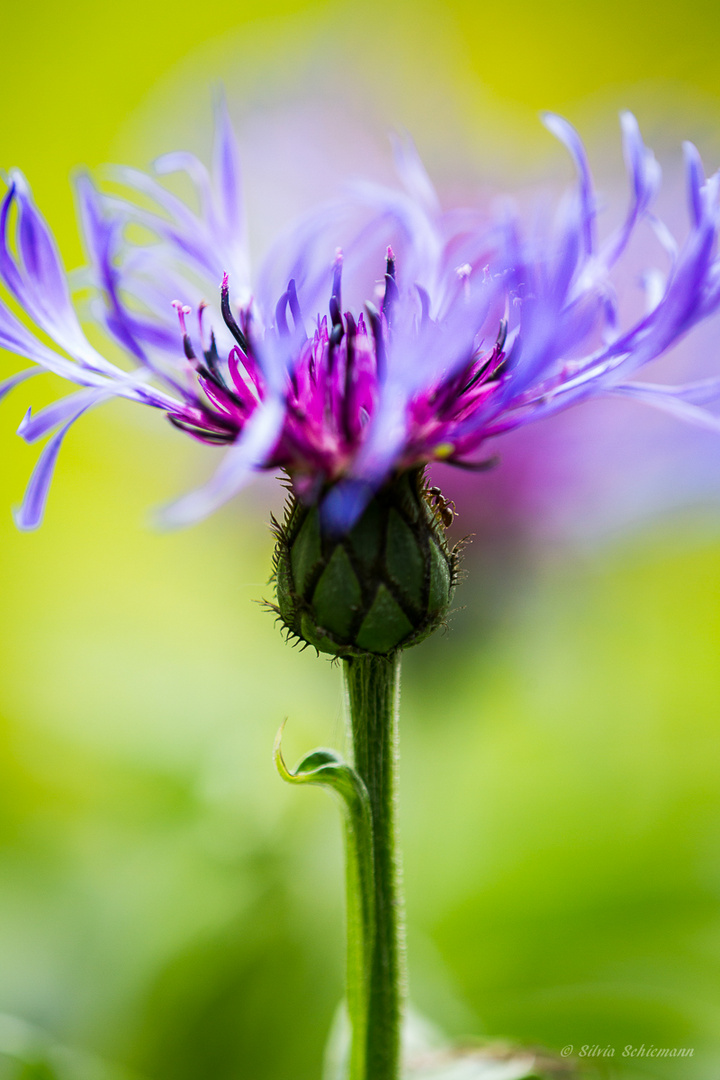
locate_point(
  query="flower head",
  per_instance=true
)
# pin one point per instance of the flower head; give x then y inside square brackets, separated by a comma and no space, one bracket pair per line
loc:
[468,328]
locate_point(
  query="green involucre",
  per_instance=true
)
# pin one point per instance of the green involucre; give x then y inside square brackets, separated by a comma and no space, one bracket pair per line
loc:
[384,585]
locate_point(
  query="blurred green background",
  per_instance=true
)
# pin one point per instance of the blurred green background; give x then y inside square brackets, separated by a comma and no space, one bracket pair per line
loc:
[166,903]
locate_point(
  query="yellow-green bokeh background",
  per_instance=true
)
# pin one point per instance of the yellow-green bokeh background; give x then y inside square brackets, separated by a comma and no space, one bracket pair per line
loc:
[165,903]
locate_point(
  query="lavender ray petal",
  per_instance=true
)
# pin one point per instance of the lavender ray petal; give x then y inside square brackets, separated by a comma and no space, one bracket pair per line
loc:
[30,514]
[413,173]
[184,161]
[644,170]
[698,392]
[8,385]
[695,182]
[645,175]
[17,339]
[37,426]
[39,254]
[226,173]
[190,242]
[146,185]
[567,135]
[242,459]
[344,503]
[45,295]
[8,270]
[101,236]
[667,402]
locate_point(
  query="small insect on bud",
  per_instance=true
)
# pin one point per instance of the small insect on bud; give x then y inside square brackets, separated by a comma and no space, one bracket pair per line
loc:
[384,585]
[444,508]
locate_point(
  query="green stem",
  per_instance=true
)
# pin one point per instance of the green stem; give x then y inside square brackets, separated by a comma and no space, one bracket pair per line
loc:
[360,931]
[373,684]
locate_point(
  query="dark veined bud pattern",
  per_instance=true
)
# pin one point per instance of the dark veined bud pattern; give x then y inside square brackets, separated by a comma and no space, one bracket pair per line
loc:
[384,585]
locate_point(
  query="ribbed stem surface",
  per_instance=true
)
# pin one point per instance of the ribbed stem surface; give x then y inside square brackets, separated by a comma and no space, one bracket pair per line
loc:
[373,685]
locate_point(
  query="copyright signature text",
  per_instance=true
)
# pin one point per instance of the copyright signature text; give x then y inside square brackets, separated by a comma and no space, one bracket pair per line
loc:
[649,1051]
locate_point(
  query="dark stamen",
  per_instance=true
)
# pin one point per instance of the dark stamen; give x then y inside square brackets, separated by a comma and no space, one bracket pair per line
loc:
[336,335]
[473,466]
[229,317]
[476,377]
[294,304]
[504,365]
[391,289]
[217,380]
[376,326]
[212,356]
[337,288]
[210,370]
[445,397]
[335,316]
[200,432]
[349,365]
[182,310]
[424,304]
[280,319]
[494,355]
[187,348]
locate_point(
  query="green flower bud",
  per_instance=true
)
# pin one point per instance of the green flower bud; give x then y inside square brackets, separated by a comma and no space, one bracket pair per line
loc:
[384,585]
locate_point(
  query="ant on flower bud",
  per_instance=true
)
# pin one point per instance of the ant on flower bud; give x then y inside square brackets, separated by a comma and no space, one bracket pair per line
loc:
[444,508]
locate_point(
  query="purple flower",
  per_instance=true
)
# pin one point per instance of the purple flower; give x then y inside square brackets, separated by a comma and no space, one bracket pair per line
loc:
[475,327]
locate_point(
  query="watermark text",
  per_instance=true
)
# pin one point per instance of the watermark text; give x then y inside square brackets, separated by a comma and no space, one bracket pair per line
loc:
[595,1050]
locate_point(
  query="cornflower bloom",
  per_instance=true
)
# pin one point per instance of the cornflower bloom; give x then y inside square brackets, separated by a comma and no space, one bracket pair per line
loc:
[472,328]
[477,329]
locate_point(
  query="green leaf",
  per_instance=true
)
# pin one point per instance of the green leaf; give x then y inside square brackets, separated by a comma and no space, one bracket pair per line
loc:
[326,768]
